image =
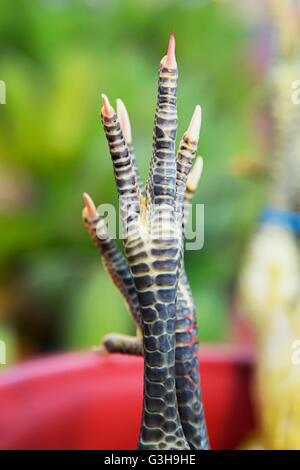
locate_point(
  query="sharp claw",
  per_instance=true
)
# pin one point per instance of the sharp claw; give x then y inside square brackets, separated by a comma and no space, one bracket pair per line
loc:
[171,52]
[124,120]
[195,173]
[107,109]
[90,206]
[169,60]
[194,128]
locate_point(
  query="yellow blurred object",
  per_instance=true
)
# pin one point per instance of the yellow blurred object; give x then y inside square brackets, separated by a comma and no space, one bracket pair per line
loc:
[270,291]
[270,279]
[287,15]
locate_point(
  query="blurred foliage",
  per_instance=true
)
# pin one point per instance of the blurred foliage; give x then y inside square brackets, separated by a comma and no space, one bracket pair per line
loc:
[56,58]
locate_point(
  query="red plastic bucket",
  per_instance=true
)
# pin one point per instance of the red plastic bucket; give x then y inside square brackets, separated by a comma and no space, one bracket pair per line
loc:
[84,400]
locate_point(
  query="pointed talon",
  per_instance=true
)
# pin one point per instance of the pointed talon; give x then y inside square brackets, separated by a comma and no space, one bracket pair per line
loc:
[194,128]
[169,60]
[107,110]
[195,174]
[124,120]
[90,206]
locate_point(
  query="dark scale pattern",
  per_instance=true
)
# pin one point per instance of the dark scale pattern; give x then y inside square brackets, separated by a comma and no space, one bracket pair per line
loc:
[161,180]
[135,167]
[187,376]
[127,185]
[158,333]
[186,371]
[161,427]
[185,157]
[155,286]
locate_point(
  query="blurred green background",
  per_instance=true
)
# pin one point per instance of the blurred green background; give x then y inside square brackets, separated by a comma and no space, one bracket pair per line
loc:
[56,58]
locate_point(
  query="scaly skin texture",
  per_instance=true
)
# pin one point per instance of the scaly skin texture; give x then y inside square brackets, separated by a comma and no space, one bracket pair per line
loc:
[186,370]
[156,284]
[154,256]
[161,427]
